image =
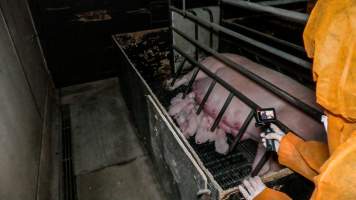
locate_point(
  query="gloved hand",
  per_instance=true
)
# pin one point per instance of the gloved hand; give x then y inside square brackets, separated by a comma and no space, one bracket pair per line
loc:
[251,187]
[276,136]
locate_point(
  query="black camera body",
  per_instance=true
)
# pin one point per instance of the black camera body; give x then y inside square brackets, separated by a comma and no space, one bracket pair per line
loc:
[264,117]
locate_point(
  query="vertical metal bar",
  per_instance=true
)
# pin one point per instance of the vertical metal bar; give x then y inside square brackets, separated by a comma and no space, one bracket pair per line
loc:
[179,71]
[171,35]
[191,82]
[260,164]
[207,94]
[212,21]
[222,111]
[242,130]
[221,17]
[196,35]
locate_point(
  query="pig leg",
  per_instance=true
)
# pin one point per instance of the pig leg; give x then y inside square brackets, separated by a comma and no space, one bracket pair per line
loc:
[203,133]
[193,124]
[221,145]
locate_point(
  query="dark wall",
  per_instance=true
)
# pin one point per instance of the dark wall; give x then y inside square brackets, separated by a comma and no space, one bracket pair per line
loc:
[79,51]
[24,89]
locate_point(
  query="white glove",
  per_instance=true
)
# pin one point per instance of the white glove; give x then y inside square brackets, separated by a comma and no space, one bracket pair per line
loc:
[276,136]
[251,187]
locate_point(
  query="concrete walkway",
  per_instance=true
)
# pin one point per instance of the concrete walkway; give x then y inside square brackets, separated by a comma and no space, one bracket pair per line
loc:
[109,162]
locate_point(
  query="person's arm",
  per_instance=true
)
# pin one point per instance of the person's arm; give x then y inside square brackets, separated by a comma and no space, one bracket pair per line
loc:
[303,157]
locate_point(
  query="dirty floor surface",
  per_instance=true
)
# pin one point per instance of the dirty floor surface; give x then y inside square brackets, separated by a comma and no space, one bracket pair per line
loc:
[108,161]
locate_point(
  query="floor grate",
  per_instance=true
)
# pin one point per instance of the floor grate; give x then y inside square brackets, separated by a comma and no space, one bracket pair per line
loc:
[69,182]
[228,170]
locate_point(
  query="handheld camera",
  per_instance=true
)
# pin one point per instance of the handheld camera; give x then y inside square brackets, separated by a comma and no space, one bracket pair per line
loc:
[264,118]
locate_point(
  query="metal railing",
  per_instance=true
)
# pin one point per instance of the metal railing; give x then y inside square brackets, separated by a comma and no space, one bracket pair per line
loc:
[218,28]
[309,110]
[283,13]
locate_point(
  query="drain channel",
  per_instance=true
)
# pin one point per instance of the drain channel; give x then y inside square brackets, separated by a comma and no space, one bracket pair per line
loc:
[68,178]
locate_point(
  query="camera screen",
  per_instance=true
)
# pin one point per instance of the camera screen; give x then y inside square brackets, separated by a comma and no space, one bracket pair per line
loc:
[267,115]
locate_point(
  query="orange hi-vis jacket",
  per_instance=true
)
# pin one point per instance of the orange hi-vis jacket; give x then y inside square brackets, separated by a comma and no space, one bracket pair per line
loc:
[330,38]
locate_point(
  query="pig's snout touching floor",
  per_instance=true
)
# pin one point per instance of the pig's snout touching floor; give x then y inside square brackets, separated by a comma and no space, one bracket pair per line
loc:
[183,110]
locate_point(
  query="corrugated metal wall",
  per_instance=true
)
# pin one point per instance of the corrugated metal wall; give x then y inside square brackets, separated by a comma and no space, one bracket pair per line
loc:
[24,87]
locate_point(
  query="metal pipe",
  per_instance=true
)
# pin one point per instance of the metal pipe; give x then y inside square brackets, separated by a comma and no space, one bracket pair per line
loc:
[313,112]
[293,16]
[270,49]
[283,42]
[207,94]
[280,2]
[195,74]
[261,163]
[179,71]
[196,30]
[242,130]
[222,111]
[212,21]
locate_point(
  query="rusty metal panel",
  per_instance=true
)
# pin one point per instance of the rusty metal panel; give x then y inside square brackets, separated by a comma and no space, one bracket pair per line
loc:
[25,38]
[20,126]
[171,155]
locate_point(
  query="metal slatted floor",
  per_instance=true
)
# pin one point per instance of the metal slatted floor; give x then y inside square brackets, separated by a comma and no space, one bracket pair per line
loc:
[228,170]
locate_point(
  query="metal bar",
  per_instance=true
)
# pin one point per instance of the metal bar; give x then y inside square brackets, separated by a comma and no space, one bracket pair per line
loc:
[222,111]
[242,130]
[211,41]
[267,48]
[260,164]
[280,2]
[286,43]
[227,86]
[313,112]
[179,71]
[207,94]
[217,79]
[191,82]
[273,62]
[196,35]
[282,13]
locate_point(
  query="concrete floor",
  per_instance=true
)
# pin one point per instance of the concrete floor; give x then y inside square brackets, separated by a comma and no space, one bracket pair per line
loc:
[109,162]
